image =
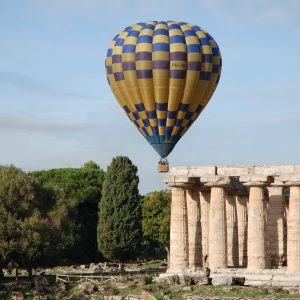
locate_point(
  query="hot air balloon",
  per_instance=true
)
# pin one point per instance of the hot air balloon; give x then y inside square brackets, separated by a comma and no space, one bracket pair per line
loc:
[163,74]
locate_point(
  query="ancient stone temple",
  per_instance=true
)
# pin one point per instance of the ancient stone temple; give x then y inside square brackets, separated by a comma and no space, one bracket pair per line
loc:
[240,220]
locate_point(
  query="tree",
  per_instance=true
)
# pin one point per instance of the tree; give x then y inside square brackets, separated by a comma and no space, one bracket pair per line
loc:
[35,243]
[90,165]
[19,206]
[119,229]
[156,210]
[75,195]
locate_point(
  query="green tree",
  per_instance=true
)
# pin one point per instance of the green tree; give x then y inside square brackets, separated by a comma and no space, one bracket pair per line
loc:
[119,229]
[73,198]
[156,210]
[35,243]
[19,206]
[90,164]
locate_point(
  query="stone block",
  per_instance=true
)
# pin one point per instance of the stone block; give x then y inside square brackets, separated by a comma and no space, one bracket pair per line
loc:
[197,271]
[168,278]
[228,280]
[201,280]
[195,171]
[286,278]
[215,180]
[259,276]
[234,170]
[289,178]
[179,171]
[179,179]
[230,271]
[183,279]
[297,169]
[274,170]
[189,276]
[255,178]
[256,282]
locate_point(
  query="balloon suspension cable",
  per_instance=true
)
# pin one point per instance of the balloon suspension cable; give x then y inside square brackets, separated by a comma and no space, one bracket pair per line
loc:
[163,161]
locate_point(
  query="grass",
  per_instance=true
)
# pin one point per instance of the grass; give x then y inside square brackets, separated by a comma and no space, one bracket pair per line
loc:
[178,292]
[154,265]
[135,284]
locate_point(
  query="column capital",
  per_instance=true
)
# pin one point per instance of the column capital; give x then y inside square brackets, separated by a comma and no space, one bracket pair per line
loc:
[290,180]
[181,181]
[256,180]
[216,181]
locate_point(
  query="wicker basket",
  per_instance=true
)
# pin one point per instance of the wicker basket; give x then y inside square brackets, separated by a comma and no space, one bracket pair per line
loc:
[163,168]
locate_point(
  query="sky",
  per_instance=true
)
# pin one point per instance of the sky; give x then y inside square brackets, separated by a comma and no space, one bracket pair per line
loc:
[57,110]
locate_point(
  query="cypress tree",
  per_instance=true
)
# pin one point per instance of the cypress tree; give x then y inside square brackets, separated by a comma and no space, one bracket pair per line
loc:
[119,228]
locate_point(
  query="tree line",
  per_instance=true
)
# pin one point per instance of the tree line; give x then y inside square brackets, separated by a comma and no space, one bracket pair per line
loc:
[79,215]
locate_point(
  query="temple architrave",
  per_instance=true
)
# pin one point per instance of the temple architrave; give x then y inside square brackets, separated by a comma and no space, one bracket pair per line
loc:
[236,220]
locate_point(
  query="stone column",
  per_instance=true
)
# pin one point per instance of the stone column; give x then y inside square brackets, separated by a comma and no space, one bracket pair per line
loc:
[194,228]
[242,219]
[179,249]
[293,221]
[178,231]
[286,195]
[256,220]
[217,221]
[204,215]
[275,227]
[232,230]
[293,228]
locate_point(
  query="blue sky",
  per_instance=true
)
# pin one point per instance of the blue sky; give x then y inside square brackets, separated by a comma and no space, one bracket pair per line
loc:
[57,109]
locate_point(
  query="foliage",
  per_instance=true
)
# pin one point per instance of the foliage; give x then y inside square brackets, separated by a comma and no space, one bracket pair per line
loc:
[72,197]
[119,229]
[50,217]
[21,223]
[90,165]
[156,210]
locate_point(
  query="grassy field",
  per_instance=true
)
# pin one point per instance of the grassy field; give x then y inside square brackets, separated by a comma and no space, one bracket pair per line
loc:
[136,285]
[128,284]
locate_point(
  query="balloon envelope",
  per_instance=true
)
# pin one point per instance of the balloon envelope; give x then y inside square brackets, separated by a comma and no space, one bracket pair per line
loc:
[163,74]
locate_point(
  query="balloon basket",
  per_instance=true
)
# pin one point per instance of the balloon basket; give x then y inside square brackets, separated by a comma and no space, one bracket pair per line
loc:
[162,168]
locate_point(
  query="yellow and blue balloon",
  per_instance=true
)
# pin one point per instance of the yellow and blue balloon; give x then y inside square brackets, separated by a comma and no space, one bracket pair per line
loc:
[163,74]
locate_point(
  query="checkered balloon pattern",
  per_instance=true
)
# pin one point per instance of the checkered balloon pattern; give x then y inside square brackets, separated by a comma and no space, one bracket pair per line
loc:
[163,74]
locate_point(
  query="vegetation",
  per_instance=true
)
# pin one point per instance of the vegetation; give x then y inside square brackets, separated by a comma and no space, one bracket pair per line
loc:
[90,165]
[47,217]
[136,285]
[119,229]
[75,195]
[23,240]
[156,210]
[51,217]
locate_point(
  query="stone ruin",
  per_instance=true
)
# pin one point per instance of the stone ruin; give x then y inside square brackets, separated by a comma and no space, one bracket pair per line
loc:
[239,221]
